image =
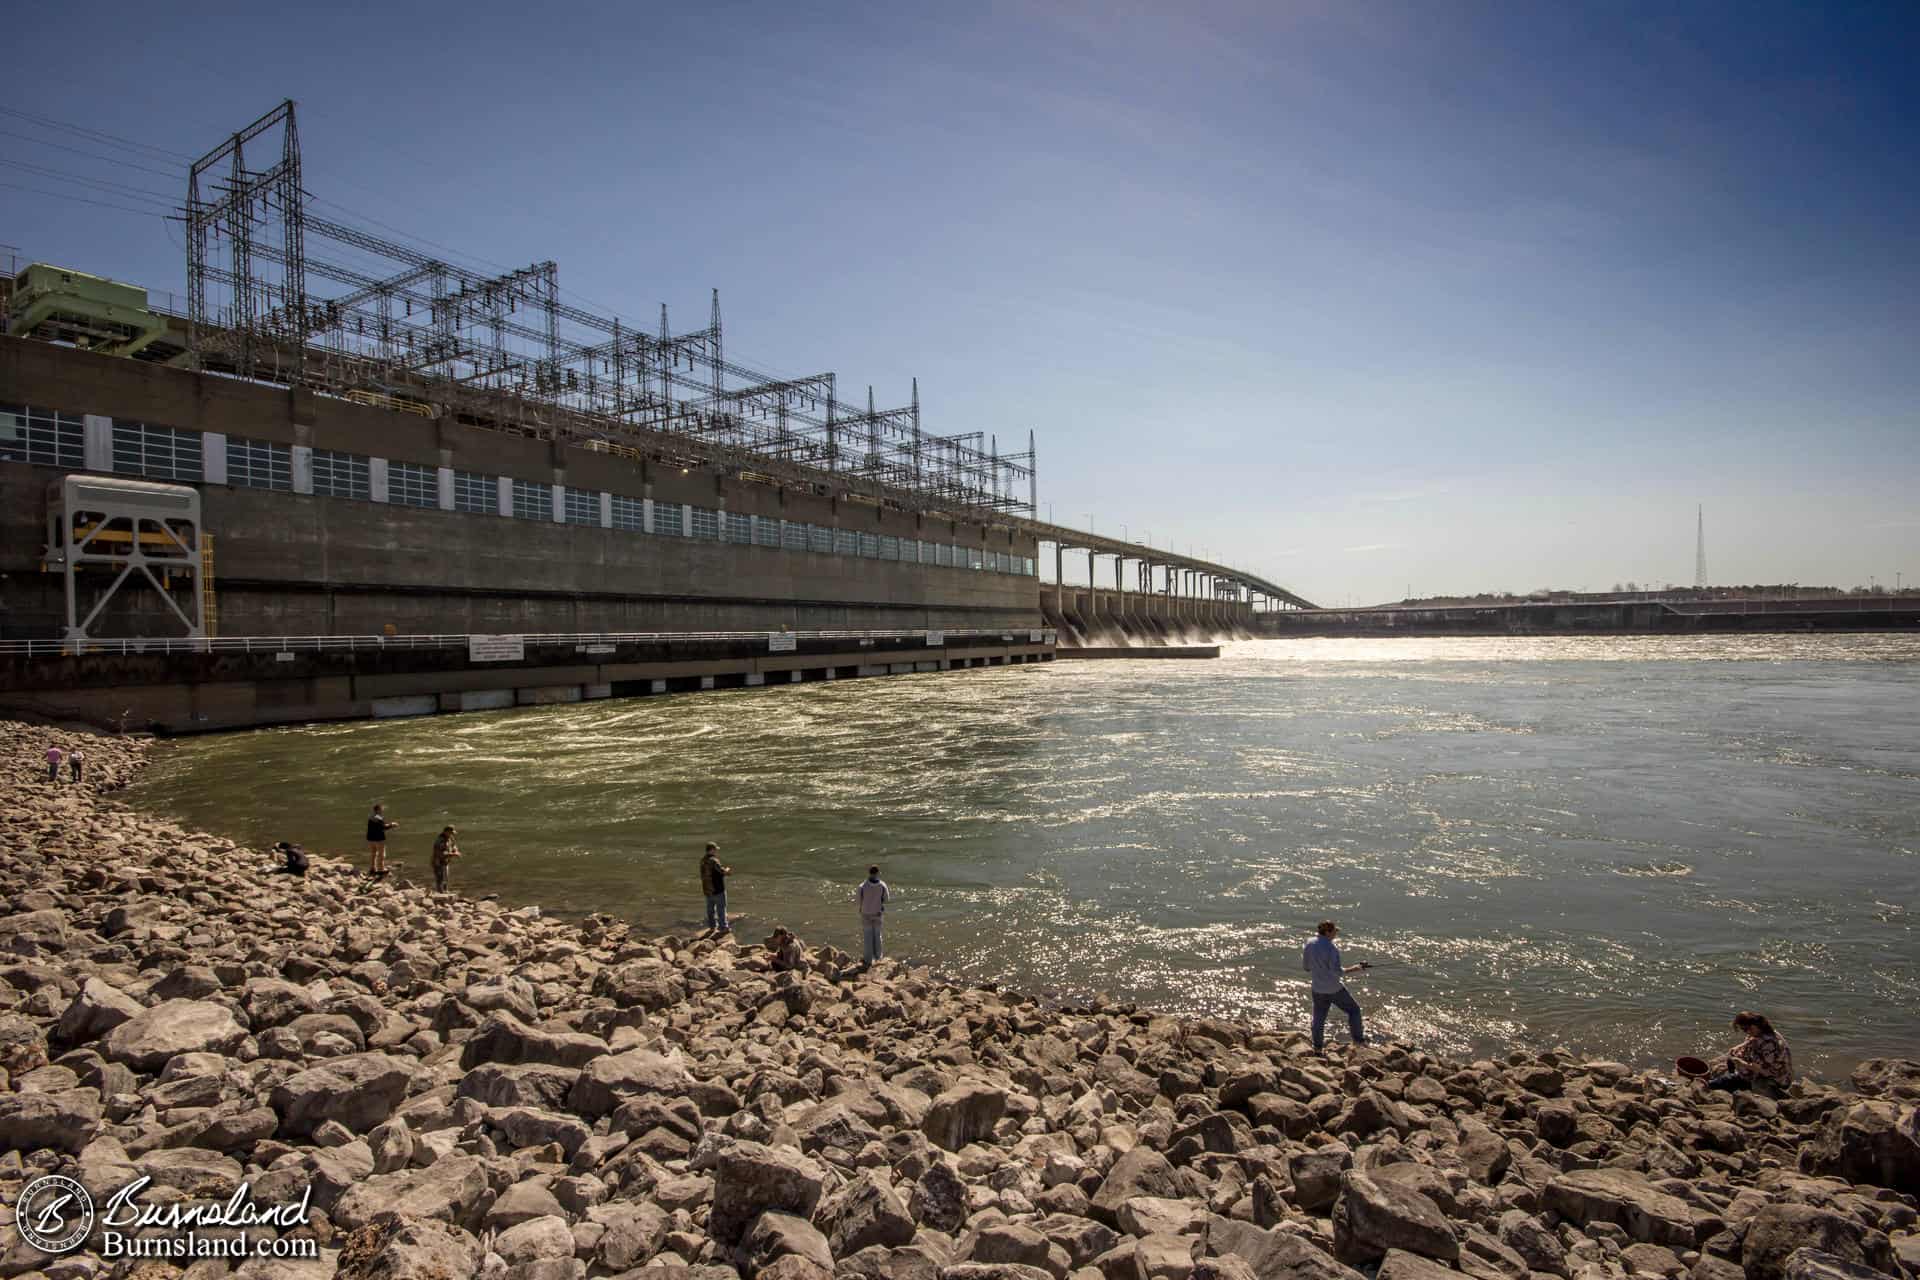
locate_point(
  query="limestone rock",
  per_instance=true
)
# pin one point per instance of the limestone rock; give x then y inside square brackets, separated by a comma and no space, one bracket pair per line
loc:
[145,1041]
[1777,1230]
[866,1211]
[1374,1215]
[1627,1200]
[1140,1172]
[965,1113]
[66,1120]
[750,1179]
[96,1010]
[395,1248]
[358,1092]
[1874,1141]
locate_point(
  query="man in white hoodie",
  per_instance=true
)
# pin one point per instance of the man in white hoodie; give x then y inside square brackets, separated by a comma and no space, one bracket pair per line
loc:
[872,897]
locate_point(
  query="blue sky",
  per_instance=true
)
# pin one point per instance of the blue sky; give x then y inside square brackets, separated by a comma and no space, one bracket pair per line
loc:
[1448,296]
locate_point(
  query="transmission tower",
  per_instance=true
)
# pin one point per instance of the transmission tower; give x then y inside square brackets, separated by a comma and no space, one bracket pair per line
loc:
[1700,546]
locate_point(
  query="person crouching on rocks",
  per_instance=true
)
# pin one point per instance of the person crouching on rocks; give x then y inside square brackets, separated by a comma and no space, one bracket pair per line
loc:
[789,956]
[444,852]
[1762,1060]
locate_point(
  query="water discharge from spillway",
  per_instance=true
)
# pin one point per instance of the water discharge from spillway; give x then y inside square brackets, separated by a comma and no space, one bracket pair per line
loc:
[1611,844]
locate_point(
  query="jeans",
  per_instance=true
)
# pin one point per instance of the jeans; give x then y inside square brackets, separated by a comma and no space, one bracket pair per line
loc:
[440,877]
[870,937]
[1730,1081]
[1324,1000]
[717,910]
[53,772]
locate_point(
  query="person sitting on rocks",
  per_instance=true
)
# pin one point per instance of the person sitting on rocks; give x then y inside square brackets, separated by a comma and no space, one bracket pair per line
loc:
[1762,1060]
[293,858]
[789,956]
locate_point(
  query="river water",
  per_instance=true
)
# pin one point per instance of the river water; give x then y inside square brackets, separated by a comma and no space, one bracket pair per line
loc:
[1608,844]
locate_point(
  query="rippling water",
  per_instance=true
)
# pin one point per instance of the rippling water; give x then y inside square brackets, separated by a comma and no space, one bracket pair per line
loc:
[1611,844]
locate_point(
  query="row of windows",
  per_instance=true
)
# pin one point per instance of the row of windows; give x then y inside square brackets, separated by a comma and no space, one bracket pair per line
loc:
[46,438]
[42,437]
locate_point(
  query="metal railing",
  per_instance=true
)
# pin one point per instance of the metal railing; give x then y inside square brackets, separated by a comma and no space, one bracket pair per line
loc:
[578,640]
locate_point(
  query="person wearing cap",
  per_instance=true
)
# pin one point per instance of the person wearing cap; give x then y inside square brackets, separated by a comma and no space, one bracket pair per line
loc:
[444,852]
[1322,959]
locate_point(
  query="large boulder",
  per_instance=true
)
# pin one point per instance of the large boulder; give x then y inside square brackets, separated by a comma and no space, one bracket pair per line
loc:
[96,1010]
[866,1211]
[1274,1253]
[66,1120]
[274,1002]
[1874,1141]
[452,1189]
[1483,1152]
[34,933]
[504,1038]
[750,1179]
[1888,1078]
[534,1240]
[1625,1199]
[503,993]
[525,1084]
[1374,1215]
[1811,1264]
[145,1041]
[650,984]
[774,1235]
[630,1233]
[939,1199]
[1398,1265]
[359,1092]
[1774,1233]
[393,1248]
[963,1114]
[609,1079]
[1140,1172]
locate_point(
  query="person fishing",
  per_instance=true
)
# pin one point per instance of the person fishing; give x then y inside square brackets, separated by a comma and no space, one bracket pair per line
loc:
[445,850]
[713,884]
[1321,958]
[1762,1060]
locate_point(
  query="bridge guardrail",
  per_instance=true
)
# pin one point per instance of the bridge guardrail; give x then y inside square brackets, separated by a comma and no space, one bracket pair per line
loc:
[323,644]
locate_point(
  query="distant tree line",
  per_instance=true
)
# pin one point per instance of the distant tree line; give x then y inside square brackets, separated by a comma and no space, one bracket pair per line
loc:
[1637,591]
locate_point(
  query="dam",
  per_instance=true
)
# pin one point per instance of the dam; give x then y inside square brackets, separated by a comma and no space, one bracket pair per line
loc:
[324,492]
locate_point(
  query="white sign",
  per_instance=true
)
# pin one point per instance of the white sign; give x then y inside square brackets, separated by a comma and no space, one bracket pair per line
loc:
[593,648]
[283,656]
[936,637]
[782,642]
[496,648]
[1035,637]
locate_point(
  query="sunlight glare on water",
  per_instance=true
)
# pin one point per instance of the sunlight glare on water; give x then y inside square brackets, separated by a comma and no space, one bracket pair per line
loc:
[1611,844]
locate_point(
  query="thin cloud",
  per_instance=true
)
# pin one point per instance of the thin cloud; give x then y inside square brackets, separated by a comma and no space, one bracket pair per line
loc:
[1371,546]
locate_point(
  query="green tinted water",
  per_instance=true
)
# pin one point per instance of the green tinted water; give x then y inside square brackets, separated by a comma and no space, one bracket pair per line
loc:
[1611,844]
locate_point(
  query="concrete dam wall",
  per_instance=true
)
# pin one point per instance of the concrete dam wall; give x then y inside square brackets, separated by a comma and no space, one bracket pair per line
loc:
[330,517]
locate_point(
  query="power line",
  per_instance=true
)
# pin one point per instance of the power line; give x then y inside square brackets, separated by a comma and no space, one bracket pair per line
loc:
[81,151]
[97,135]
[120,188]
[67,195]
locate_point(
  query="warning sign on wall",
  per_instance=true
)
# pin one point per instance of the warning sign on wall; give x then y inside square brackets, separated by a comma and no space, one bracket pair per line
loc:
[496,648]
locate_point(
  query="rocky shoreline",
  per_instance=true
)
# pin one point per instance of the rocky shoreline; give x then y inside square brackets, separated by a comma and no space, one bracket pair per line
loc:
[456,1088]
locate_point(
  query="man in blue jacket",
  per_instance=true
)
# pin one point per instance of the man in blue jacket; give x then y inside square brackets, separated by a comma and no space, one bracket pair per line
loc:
[1322,959]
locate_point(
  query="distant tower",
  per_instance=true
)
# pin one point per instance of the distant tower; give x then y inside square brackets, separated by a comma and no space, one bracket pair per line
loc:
[1700,546]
